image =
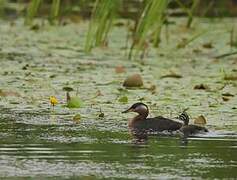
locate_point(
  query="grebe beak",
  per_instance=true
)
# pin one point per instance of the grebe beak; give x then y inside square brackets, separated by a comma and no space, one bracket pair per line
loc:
[128,110]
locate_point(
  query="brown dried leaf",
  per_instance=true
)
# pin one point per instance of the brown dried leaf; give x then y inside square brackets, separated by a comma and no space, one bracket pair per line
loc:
[134,80]
[200,120]
[120,69]
[201,86]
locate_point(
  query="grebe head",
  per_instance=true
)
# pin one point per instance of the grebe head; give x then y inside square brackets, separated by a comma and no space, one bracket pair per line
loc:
[184,117]
[139,108]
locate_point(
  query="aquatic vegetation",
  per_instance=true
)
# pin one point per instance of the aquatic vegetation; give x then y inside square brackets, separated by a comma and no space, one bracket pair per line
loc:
[32,11]
[189,11]
[53,100]
[123,99]
[94,141]
[145,28]
[185,42]
[54,13]
[74,102]
[120,69]
[233,36]
[134,80]
[149,26]
[101,114]
[200,120]
[2,4]
[101,22]
[230,77]
[201,87]
[77,118]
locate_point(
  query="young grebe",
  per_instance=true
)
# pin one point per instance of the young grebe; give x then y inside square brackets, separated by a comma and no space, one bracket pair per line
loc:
[187,129]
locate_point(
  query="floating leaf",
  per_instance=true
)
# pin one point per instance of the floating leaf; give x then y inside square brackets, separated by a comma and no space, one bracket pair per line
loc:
[230,77]
[9,93]
[201,86]
[172,75]
[101,115]
[227,94]
[120,69]
[225,98]
[74,102]
[68,89]
[134,80]
[200,120]
[77,118]
[208,45]
[123,99]
[152,88]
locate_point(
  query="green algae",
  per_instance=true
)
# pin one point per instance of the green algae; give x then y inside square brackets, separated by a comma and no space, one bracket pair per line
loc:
[56,53]
[38,64]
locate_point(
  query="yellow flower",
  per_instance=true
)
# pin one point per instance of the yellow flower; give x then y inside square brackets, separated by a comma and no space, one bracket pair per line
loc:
[53,100]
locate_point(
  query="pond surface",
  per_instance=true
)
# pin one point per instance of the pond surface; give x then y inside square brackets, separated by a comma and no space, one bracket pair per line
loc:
[40,142]
[51,151]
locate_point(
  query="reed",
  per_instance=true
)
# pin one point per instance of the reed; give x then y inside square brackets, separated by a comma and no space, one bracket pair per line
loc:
[193,38]
[149,25]
[233,36]
[101,23]
[32,11]
[54,13]
[190,11]
[2,4]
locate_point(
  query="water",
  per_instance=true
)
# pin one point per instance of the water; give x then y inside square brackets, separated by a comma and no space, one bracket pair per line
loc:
[69,151]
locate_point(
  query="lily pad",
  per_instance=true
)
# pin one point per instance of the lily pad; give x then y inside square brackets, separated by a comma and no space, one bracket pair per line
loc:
[123,99]
[77,117]
[68,89]
[74,102]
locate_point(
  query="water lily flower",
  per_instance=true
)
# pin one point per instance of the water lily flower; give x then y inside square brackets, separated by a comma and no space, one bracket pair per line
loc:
[53,100]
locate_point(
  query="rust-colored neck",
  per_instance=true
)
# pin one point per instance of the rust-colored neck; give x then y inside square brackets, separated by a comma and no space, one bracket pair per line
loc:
[135,119]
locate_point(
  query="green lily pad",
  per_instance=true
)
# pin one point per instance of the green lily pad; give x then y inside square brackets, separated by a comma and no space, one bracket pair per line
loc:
[74,102]
[123,99]
[77,118]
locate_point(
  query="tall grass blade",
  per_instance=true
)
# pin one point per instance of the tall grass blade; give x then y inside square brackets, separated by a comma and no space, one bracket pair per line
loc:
[2,4]
[193,38]
[233,36]
[32,11]
[54,13]
[149,24]
[190,17]
[189,11]
[101,22]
